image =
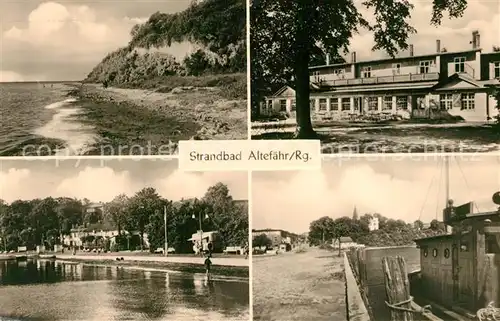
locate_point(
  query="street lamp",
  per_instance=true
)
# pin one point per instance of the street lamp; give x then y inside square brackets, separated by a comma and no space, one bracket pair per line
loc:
[199,221]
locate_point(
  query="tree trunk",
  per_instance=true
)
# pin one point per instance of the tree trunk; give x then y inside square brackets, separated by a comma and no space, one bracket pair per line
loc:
[301,70]
[340,252]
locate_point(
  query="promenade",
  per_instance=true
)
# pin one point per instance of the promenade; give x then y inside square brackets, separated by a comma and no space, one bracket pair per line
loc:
[236,261]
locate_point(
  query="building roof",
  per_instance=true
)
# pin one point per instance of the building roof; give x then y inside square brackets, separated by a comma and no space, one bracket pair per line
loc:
[384,87]
[105,226]
[196,236]
[394,59]
[456,76]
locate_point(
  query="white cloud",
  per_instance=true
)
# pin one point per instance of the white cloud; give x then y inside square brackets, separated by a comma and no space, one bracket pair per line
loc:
[8,76]
[455,34]
[104,183]
[65,34]
[291,204]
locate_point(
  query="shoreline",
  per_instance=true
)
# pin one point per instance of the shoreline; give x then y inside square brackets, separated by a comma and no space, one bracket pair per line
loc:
[145,122]
[233,267]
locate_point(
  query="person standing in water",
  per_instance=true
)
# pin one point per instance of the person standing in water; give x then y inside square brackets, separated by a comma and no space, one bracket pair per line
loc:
[208,265]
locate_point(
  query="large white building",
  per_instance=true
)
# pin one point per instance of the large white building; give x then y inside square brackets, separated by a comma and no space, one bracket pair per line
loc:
[428,85]
[373,224]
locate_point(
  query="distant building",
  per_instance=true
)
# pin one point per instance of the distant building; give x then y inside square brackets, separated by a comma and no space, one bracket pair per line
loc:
[98,230]
[373,224]
[94,207]
[345,243]
[206,238]
[278,237]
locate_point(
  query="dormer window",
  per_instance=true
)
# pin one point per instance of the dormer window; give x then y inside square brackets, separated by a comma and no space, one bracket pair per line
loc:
[496,69]
[425,66]
[396,69]
[366,72]
[459,64]
[316,76]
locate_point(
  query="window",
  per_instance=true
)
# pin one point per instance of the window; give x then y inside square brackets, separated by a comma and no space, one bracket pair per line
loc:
[496,69]
[396,69]
[346,104]
[446,101]
[294,105]
[459,64]
[316,76]
[312,104]
[322,104]
[366,72]
[402,102]
[426,252]
[468,101]
[269,104]
[387,103]
[338,71]
[447,253]
[334,104]
[425,67]
[372,103]
[282,104]
[434,252]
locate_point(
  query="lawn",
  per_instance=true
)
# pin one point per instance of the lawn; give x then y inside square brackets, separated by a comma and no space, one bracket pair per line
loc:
[391,137]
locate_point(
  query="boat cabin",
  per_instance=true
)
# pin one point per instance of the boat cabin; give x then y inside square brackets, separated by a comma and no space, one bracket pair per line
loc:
[462,268]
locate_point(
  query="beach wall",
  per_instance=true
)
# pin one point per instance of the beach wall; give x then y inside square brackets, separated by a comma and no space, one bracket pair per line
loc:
[367,267]
[356,309]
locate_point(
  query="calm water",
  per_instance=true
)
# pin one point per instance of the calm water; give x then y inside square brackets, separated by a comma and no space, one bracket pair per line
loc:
[37,115]
[56,291]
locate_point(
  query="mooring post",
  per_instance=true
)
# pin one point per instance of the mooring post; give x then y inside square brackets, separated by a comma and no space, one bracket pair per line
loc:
[397,287]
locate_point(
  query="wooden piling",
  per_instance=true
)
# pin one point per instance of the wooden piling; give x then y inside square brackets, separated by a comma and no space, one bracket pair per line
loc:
[397,287]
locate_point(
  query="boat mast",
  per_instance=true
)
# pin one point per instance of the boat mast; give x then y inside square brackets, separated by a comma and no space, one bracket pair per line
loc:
[447,180]
[447,187]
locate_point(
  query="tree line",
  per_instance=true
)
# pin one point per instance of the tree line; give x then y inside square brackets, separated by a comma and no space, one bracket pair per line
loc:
[47,221]
[217,27]
[289,36]
[390,232]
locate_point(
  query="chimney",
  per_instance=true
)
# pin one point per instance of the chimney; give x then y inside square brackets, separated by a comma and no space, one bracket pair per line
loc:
[327,59]
[438,46]
[353,57]
[475,39]
[411,50]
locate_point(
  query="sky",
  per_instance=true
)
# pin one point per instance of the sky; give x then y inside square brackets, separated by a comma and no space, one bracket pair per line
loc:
[455,34]
[103,180]
[64,39]
[407,189]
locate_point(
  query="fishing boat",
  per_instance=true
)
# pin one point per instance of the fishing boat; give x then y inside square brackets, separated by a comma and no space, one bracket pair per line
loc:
[459,272]
[458,276]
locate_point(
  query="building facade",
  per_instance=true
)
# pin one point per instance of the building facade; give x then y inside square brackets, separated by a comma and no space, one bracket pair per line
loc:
[373,224]
[437,85]
[277,237]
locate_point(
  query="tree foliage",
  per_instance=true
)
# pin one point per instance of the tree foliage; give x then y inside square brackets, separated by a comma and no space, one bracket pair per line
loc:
[285,35]
[390,233]
[218,28]
[262,240]
[46,221]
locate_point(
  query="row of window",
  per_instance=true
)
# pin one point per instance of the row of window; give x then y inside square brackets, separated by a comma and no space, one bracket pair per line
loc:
[423,68]
[446,252]
[446,101]
[467,101]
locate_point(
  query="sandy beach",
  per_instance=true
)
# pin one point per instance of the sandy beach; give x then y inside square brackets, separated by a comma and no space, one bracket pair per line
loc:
[299,286]
[155,120]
